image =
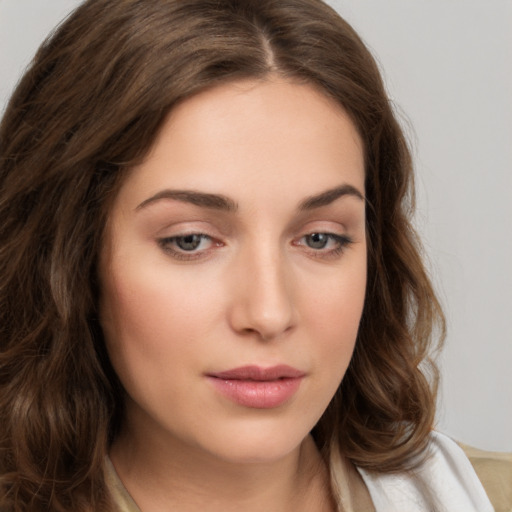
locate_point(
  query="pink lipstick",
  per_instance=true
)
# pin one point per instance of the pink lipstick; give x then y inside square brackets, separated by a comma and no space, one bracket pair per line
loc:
[256,387]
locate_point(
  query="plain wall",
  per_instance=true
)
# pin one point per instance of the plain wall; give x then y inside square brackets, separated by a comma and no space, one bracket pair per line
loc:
[447,65]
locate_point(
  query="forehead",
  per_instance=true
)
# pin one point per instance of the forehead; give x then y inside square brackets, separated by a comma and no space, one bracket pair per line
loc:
[252,137]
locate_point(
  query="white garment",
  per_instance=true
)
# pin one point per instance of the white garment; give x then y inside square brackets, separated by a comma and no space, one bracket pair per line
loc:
[446,482]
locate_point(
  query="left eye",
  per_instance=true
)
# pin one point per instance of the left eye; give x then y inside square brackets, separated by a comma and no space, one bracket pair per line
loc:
[325,244]
[317,240]
[321,241]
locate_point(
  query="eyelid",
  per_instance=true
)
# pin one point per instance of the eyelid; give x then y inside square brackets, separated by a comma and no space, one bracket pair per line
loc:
[188,225]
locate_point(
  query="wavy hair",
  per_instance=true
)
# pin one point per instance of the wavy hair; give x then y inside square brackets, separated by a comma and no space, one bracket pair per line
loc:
[85,112]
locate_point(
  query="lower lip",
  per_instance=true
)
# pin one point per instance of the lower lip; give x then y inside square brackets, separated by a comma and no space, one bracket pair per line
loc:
[257,394]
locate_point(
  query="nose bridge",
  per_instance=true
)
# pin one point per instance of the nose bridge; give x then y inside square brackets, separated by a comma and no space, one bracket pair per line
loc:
[263,300]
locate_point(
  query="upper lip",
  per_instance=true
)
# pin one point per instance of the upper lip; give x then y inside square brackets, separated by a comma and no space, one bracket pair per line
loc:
[258,373]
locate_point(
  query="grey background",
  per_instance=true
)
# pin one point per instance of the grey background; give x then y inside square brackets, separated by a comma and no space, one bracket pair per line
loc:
[448,69]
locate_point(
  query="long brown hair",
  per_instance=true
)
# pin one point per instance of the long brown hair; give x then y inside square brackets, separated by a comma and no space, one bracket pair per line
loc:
[86,111]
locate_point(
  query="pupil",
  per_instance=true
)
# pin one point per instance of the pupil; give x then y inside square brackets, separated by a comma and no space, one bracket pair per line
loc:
[317,240]
[189,242]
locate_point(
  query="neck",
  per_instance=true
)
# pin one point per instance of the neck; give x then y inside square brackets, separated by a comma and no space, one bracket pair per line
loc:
[162,477]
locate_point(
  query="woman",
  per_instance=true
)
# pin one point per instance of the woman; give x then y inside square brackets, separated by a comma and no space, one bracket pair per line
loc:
[211,294]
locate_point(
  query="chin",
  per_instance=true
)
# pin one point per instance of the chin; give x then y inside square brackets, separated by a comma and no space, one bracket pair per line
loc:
[256,444]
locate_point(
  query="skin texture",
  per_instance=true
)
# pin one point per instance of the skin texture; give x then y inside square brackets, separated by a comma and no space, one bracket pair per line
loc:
[257,290]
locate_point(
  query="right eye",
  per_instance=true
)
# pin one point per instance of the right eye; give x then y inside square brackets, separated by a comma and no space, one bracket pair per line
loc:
[188,246]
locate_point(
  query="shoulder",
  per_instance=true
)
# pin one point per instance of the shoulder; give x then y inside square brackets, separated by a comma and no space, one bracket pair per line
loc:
[494,469]
[444,482]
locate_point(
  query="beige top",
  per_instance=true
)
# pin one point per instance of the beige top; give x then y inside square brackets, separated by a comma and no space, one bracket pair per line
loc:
[446,482]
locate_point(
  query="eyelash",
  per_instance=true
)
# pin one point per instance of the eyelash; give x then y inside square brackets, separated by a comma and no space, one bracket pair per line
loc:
[342,243]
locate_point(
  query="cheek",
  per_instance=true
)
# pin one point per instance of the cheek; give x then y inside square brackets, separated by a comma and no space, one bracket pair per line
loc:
[334,314]
[150,318]
[338,301]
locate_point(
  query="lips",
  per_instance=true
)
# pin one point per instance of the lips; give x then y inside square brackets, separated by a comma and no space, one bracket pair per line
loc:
[257,373]
[257,387]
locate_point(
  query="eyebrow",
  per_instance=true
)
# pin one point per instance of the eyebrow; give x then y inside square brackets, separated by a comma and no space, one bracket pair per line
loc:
[202,199]
[223,203]
[329,196]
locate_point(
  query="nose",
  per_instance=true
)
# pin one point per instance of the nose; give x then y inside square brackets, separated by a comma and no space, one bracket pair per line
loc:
[262,302]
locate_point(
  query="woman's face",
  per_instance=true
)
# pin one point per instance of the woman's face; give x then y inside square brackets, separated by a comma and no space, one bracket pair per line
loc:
[234,271]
